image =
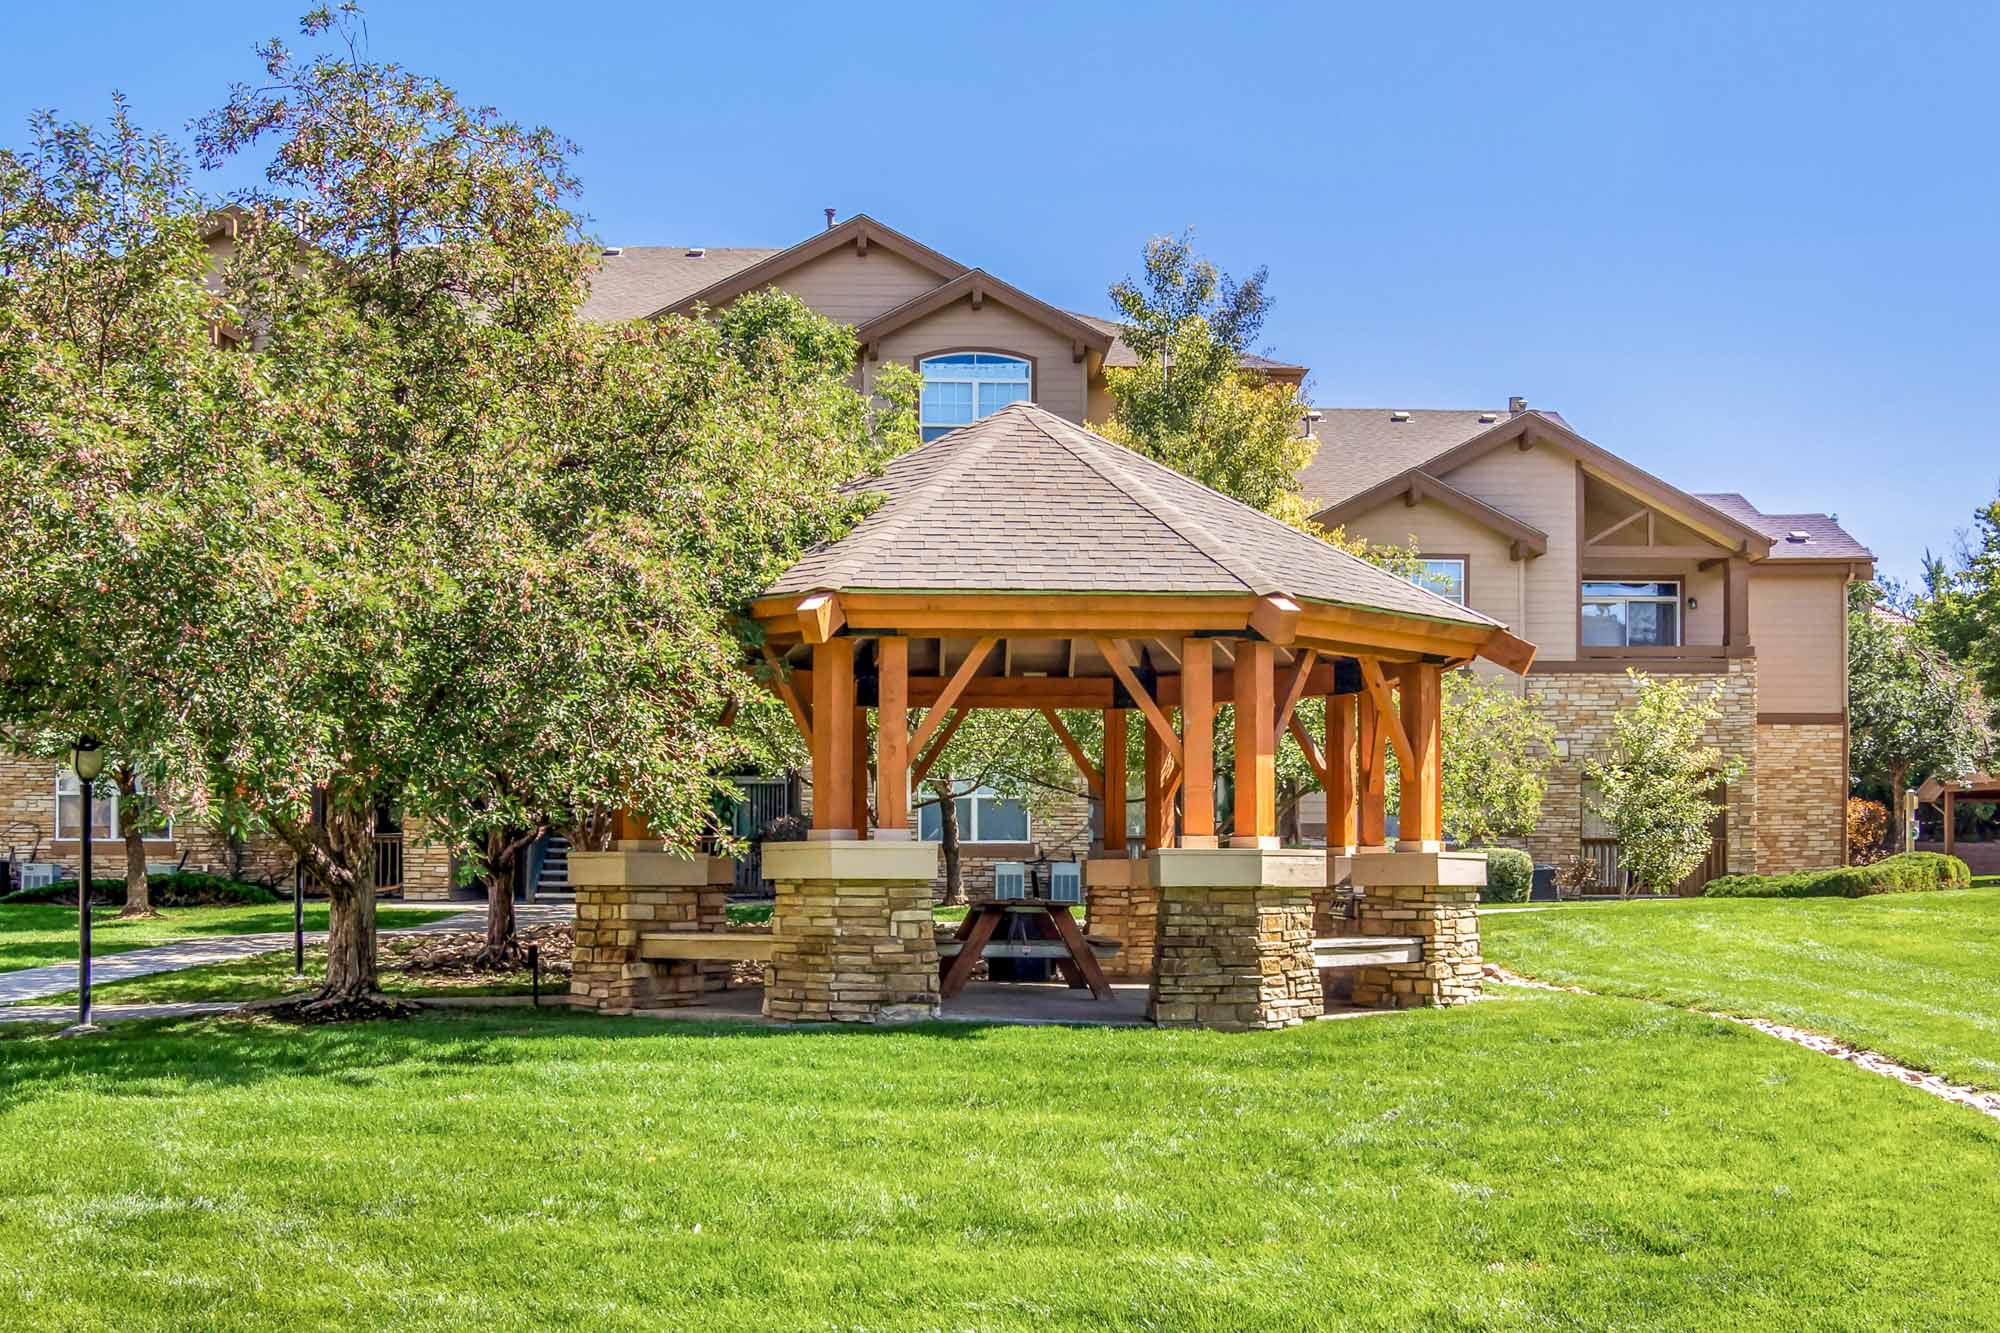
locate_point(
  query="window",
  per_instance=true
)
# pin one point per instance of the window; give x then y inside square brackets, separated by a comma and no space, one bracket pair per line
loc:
[1632,615]
[1443,575]
[103,810]
[964,386]
[983,816]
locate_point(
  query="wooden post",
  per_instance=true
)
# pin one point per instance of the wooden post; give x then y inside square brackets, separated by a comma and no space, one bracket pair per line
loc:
[858,786]
[1114,780]
[892,741]
[1198,742]
[833,740]
[1371,774]
[1256,822]
[1736,602]
[1341,803]
[1159,813]
[1950,822]
[1422,806]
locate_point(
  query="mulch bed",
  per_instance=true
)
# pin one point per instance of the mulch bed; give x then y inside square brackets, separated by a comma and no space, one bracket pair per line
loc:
[446,956]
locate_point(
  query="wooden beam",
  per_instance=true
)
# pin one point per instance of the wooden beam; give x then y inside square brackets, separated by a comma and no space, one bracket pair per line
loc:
[1276,618]
[1736,603]
[1091,777]
[833,739]
[1342,799]
[931,756]
[1385,710]
[820,617]
[1422,803]
[858,785]
[1371,775]
[1650,553]
[1508,652]
[892,737]
[1256,809]
[1619,526]
[934,714]
[1294,688]
[1113,653]
[1158,806]
[1198,742]
[781,683]
[1114,780]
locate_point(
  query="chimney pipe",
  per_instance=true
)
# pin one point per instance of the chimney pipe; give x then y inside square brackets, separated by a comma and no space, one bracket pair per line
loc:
[1516,405]
[829,219]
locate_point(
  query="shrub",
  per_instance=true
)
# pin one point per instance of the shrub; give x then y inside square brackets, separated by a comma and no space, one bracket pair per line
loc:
[1908,872]
[1867,827]
[1510,875]
[178,888]
[1575,877]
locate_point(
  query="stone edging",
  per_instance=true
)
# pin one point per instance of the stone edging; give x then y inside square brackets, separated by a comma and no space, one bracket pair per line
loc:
[1961,1094]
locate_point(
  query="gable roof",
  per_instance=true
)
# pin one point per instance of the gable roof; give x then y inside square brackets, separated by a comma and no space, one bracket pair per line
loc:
[977,285]
[1416,486]
[1823,539]
[1427,451]
[633,281]
[1024,501]
[860,231]
[1360,447]
[1121,356]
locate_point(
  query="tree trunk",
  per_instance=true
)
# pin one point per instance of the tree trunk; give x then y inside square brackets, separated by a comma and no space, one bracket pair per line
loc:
[954,883]
[347,877]
[138,894]
[1899,778]
[497,865]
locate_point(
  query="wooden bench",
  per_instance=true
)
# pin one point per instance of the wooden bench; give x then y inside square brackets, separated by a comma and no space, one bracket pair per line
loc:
[748,946]
[1366,950]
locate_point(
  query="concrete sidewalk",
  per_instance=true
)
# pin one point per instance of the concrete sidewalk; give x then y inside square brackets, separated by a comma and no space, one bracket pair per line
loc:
[32,983]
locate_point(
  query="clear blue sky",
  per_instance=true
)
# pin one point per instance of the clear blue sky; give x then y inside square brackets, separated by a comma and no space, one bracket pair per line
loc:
[1749,247]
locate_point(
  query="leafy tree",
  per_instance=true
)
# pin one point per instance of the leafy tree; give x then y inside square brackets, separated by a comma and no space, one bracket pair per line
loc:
[1498,749]
[1913,711]
[1655,788]
[1959,612]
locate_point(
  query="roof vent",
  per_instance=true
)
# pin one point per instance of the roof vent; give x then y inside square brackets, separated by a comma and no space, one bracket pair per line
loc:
[1798,535]
[1399,416]
[1516,405]
[614,249]
[695,252]
[1488,418]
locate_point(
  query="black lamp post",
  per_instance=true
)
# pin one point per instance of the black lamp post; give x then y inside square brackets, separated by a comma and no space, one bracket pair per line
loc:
[86,760]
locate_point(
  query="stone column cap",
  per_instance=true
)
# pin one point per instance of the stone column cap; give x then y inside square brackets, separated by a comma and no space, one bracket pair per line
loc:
[855,859]
[648,869]
[1237,867]
[1436,870]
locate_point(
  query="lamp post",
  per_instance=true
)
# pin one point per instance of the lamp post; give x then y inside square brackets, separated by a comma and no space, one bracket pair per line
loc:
[86,760]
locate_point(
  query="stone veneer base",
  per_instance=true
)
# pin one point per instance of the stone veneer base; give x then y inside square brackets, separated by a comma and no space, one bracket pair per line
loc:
[1235,938]
[852,939]
[1122,904]
[1432,895]
[623,894]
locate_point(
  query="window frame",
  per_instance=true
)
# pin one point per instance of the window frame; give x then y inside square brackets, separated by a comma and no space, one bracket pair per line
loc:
[1676,600]
[943,427]
[111,808]
[1464,563]
[968,832]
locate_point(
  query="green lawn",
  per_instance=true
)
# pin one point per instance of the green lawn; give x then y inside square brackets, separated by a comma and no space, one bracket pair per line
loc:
[36,934]
[269,974]
[1537,1160]
[1913,975]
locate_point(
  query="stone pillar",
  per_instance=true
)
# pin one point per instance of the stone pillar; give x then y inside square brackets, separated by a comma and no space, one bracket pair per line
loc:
[1123,905]
[1432,896]
[1235,936]
[638,889]
[852,940]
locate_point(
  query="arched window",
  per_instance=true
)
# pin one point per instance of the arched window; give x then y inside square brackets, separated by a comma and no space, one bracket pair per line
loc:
[961,387]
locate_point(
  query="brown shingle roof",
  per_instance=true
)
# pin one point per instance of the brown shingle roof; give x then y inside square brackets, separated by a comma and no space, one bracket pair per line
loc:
[1824,539]
[1024,501]
[1361,447]
[640,279]
[1121,355]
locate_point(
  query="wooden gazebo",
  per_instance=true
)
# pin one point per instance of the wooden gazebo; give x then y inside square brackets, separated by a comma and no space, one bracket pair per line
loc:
[1024,562]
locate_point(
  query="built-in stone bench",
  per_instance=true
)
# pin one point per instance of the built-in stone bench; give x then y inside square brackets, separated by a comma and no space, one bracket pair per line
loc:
[1366,951]
[735,946]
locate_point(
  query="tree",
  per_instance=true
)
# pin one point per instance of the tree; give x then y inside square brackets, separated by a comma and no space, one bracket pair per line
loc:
[1655,788]
[1498,749]
[1913,711]
[1959,612]
[124,491]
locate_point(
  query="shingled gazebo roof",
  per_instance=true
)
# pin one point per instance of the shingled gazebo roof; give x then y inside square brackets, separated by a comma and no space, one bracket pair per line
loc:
[1024,501]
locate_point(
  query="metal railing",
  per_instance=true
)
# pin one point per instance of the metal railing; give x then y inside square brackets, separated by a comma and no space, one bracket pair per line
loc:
[388,861]
[1604,853]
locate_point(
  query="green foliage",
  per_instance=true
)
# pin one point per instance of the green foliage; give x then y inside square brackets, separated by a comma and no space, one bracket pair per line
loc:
[1510,875]
[179,888]
[1655,788]
[1906,872]
[1498,750]
[1959,612]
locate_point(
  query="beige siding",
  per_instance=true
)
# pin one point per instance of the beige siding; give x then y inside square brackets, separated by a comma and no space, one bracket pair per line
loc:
[854,288]
[1537,487]
[1098,401]
[1059,381]
[1798,624]
[1493,580]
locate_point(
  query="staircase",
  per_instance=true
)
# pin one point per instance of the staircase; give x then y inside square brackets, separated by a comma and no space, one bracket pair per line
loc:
[553,881]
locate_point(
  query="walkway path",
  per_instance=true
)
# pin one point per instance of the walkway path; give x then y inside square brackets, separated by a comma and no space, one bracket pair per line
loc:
[32,983]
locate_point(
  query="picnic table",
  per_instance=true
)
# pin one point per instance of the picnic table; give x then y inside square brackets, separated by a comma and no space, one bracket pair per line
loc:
[1053,934]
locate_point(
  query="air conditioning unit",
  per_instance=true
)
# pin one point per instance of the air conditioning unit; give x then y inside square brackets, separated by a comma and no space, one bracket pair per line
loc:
[39,874]
[1065,882]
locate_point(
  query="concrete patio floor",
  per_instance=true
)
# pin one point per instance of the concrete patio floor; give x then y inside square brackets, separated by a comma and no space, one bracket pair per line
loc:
[1024,1003]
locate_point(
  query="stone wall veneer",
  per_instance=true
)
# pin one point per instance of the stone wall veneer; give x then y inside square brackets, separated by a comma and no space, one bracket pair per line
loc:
[1433,896]
[852,938]
[623,894]
[1803,770]
[1235,937]
[1123,905]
